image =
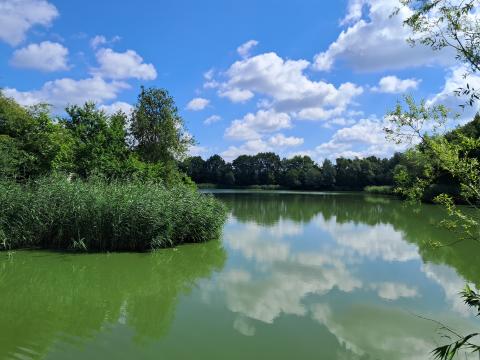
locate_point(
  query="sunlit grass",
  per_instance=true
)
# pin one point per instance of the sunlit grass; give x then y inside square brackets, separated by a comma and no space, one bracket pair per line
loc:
[381,190]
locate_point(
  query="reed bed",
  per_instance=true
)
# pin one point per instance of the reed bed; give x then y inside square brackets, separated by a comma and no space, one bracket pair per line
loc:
[380,190]
[56,213]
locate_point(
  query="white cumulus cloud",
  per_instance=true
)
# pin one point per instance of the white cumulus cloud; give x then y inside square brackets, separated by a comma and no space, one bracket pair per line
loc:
[236,95]
[100,40]
[394,85]
[377,41]
[250,147]
[287,87]
[62,92]
[364,138]
[18,16]
[253,126]
[198,104]
[123,65]
[45,56]
[455,79]
[280,140]
[212,119]
[244,49]
[97,41]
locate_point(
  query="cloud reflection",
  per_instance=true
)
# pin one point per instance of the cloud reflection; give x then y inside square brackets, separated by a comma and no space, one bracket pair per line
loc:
[303,268]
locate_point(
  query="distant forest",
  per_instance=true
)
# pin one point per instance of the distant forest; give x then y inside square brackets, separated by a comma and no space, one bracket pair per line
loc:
[299,172]
[303,173]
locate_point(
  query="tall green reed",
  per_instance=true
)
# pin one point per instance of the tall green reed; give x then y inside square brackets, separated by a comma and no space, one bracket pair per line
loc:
[97,216]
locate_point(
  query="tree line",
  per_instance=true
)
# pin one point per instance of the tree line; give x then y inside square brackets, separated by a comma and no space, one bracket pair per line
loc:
[299,172]
[402,170]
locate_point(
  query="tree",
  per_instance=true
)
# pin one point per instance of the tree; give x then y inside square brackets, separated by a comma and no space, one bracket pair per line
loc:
[244,170]
[267,168]
[195,168]
[228,175]
[30,141]
[449,24]
[329,175]
[157,128]
[299,172]
[214,168]
[313,178]
[85,142]
[99,141]
[443,24]
[295,171]
[292,178]
[348,173]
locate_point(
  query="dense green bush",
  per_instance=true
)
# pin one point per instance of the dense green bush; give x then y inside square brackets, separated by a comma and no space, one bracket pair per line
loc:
[97,216]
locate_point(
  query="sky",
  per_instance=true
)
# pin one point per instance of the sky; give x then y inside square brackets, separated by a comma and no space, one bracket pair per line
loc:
[294,77]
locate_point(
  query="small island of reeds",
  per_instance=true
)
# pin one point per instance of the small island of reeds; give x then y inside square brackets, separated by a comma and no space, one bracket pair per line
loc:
[91,181]
[94,215]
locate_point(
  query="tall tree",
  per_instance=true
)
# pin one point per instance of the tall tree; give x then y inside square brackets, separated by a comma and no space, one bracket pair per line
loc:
[215,167]
[267,168]
[195,168]
[157,128]
[244,170]
[329,175]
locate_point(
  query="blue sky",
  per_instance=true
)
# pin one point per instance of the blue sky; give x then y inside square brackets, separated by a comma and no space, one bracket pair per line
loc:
[295,77]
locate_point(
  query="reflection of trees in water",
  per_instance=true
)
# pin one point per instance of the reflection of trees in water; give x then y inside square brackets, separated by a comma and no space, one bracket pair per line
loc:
[44,296]
[419,224]
[269,208]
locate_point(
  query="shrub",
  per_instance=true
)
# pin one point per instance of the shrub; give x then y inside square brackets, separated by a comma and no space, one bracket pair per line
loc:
[98,216]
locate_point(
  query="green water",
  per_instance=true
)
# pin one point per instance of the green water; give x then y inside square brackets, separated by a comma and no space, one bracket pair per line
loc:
[296,276]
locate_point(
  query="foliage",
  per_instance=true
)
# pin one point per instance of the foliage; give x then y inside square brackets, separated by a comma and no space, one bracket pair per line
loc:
[30,142]
[448,24]
[76,183]
[98,141]
[444,167]
[157,128]
[448,351]
[384,190]
[87,142]
[299,172]
[439,157]
[94,215]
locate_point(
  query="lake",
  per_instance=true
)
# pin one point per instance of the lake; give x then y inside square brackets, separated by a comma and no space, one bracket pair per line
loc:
[295,276]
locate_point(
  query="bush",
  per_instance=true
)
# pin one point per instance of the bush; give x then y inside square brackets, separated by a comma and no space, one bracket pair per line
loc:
[380,190]
[97,216]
